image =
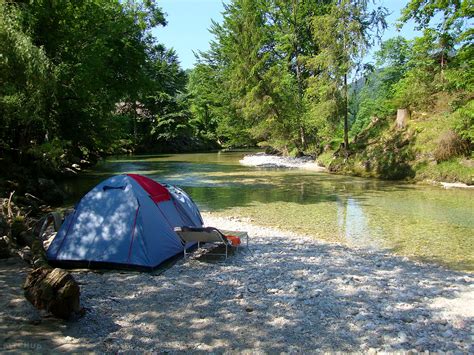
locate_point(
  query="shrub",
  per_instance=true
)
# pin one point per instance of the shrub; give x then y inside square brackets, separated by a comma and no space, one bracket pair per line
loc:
[50,157]
[464,121]
[450,145]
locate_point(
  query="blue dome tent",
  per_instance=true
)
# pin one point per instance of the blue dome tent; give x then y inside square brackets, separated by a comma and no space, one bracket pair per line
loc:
[125,221]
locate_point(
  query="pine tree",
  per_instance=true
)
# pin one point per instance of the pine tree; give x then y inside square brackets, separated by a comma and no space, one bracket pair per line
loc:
[343,35]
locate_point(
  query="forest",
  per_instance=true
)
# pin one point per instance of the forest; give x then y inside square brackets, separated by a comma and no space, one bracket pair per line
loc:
[85,79]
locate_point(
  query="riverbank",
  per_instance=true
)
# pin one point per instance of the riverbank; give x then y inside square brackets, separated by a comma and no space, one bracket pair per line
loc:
[422,150]
[286,293]
[322,164]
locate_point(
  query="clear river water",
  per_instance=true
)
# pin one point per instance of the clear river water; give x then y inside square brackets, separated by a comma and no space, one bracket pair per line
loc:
[419,221]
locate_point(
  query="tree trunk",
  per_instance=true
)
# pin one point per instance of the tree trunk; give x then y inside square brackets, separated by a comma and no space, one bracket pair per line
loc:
[346,118]
[403,115]
[135,117]
[303,137]
[302,133]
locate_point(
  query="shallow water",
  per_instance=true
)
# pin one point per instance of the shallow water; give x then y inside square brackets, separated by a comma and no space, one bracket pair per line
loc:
[425,222]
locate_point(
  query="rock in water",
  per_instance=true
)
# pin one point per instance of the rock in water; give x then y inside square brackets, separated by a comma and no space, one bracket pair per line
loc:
[54,290]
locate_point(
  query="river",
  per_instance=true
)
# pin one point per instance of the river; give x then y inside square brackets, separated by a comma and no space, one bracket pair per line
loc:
[423,222]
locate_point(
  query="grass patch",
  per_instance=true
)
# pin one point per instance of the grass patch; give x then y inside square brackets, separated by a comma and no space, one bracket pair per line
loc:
[450,171]
[325,158]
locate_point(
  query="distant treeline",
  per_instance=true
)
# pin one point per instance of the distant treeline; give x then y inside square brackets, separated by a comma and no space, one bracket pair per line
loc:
[79,79]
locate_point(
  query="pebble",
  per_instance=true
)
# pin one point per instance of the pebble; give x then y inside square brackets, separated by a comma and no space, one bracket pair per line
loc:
[252,289]
[369,326]
[402,337]
[448,334]
[275,298]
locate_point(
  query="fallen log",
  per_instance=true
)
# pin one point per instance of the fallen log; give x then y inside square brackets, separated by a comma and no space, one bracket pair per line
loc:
[53,290]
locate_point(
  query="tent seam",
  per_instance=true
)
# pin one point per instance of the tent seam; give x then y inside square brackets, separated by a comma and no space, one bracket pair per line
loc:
[133,232]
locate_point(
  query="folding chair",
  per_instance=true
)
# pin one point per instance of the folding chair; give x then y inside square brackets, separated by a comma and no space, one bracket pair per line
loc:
[208,235]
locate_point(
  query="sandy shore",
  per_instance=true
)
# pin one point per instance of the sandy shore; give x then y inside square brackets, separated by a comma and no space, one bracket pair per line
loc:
[286,293]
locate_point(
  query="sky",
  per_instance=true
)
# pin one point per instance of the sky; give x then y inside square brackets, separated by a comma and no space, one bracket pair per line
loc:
[190,20]
[187,28]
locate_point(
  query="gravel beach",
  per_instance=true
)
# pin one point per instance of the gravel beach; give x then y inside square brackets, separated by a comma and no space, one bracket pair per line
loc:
[285,293]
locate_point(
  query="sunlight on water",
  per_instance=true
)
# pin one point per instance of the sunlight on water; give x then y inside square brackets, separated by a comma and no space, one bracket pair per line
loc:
[423,221]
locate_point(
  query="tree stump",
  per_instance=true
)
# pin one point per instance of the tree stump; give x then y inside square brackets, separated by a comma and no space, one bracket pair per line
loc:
[403,115]
[54,290]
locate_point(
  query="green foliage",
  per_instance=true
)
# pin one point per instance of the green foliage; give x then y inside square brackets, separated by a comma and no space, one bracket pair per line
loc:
[213,116]
[441,59]
[454,15]
[277,76]
[423,78]
[247,81]
[82,78]
[464,122]
[388,154]
[98,48]
[375,99]
[453,170]
[205,100]
[368,109]
[460,73]
[26,77]
[164,116]
[51,156]
[343,36]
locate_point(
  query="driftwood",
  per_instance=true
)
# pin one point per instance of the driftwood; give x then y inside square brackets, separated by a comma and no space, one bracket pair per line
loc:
[53,290]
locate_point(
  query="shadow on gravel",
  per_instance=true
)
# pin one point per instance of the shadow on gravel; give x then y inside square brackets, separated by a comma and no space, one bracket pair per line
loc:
[24,329]
[281,295]
[289,297]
